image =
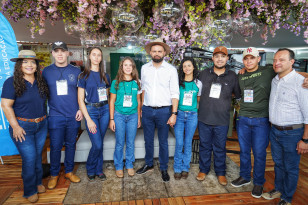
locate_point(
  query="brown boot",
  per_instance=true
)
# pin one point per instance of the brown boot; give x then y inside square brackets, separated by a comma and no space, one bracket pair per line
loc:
[222,180]
[33,198]
[201,176]
[72,177]
[41,189]
[120,173]
[52,183]
[131,172]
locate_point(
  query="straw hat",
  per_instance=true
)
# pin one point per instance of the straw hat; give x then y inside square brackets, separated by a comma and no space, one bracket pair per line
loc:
[160,42]
[26,54]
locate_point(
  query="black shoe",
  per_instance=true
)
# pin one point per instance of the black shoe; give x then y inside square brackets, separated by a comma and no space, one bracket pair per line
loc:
[239,182]
[91,178]
[257,191]
[165,176]
[145,169]
[284,202]
[102,177]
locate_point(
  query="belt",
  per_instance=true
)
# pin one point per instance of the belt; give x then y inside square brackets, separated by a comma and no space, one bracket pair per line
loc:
[159,107]
[100,104]
[290,127]
[36,120]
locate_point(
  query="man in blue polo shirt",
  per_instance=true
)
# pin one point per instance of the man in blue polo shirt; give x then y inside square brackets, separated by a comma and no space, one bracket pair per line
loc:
[64,114]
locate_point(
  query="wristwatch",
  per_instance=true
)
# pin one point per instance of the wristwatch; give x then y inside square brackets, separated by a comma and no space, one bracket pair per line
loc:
[305,140]
[175,113]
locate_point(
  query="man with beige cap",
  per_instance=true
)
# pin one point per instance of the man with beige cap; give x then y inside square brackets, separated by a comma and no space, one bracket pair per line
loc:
[160,94]
[214,114]
[253,124]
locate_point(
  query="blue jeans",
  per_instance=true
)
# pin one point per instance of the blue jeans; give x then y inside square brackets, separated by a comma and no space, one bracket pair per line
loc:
[125,130]
[212,138]
[100,116]
[62,130]
[31,154]
[158,118]
[284,153]
[253,133]
[184,129]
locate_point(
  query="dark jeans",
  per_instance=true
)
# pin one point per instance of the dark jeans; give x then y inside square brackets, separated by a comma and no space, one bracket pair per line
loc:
[284,153]
[151,119]
[31,154]
[212,138]
[253,133]
[62,130]
[100,116]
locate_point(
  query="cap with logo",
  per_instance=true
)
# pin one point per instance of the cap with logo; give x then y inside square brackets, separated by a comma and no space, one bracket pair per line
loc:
[59,44]
[251,51]
[220,49]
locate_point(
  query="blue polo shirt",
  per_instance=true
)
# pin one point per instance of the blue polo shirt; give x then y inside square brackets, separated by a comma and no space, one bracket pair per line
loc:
[62,105]
[91,84]
[30,105]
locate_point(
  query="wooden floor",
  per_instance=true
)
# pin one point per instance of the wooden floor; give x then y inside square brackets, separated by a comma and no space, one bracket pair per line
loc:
[11,186]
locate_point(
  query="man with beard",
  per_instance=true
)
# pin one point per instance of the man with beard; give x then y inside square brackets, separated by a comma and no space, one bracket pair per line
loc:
[160,88]
[214,113]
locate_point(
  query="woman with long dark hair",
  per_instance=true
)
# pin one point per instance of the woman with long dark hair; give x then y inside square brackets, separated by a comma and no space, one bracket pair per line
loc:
[93,91]
[23,102]
[125,110]
[187,119]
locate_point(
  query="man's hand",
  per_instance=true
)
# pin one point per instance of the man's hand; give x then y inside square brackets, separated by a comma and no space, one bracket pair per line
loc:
[172,120]
[305,84]
[242,71]
[79,116]
[302,147]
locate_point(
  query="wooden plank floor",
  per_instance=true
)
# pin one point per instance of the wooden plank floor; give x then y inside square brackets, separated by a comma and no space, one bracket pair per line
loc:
[11,186]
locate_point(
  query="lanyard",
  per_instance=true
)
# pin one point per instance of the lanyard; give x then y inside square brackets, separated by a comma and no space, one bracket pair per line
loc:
[131,87]
[61,72]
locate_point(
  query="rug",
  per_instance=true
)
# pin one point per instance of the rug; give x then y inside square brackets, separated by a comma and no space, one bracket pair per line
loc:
[149,185]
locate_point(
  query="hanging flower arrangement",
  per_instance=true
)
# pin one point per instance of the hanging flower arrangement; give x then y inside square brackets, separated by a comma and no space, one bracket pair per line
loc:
[180,23]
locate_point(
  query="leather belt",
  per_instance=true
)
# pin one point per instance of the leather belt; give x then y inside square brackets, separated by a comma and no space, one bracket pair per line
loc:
[36,120]
[159,107]
[290,127]
[100,104]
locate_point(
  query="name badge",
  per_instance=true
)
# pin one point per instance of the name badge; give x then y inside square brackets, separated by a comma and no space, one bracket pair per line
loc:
[248,95]
[62,88]
[187,99]
[128,101]
[215,90]
[102,94]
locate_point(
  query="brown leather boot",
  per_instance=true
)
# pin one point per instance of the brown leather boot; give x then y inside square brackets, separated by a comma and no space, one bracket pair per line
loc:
[52,183]
[41,189]
[201,176]
[222,180]
[72,177]
[33,198]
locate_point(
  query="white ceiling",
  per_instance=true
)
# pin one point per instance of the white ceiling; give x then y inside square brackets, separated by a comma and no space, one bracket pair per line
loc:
[283,37]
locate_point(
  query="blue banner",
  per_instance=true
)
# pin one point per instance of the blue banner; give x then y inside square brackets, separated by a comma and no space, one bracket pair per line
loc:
[8,50]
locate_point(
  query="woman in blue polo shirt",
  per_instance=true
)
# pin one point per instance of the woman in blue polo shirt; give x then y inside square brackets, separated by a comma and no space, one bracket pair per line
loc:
[187,119]
[125,107]
[24,105]
[93,90]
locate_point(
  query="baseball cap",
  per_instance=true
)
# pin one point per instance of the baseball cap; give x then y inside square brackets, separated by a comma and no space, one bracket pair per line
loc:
[59,44]
[220,49]
[251,51]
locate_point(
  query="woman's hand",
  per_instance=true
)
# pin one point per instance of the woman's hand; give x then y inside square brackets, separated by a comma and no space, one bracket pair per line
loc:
[139,123]
[112,125]
[19,134]
[91,126]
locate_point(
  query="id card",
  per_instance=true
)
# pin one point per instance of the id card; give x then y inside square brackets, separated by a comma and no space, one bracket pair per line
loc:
[128,101]
[248,95]
[187,99]
[62,88]
[102,94]
[215,90]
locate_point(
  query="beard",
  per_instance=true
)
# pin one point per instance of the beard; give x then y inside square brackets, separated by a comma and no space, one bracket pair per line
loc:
[157,60]
[220,67]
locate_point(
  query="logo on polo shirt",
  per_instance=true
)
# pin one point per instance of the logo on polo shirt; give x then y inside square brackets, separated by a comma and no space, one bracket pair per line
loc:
[71,77]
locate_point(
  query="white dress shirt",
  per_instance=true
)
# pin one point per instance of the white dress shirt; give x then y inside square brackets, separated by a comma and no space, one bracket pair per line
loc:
[288,103]
[159,84]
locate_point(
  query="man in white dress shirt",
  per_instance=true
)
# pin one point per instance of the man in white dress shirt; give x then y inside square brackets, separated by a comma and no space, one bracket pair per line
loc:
[160,96]
[288,113]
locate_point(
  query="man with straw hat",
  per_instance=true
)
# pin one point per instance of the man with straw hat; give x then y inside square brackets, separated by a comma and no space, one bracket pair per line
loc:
[160,96]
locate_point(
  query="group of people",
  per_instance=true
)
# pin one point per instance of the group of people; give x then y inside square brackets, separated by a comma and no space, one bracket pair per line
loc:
[273,106]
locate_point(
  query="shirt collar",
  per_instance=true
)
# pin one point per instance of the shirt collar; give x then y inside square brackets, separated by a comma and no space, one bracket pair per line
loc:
[287,77]
[164,64]
[225,73]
